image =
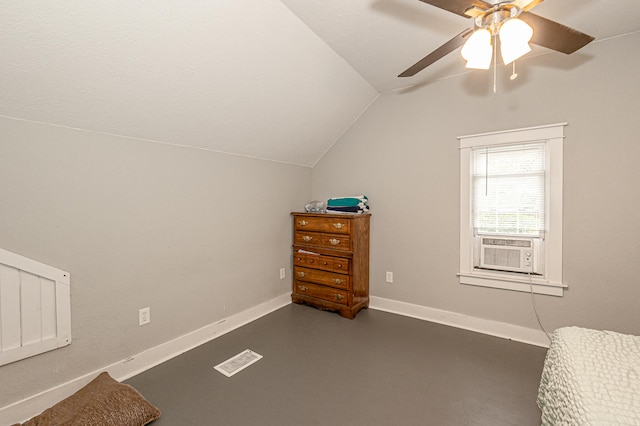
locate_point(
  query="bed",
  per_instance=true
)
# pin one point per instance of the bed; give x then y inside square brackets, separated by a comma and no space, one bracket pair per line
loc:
[591,377]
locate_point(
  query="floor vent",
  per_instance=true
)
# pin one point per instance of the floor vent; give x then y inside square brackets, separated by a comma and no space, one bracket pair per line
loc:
[238,363]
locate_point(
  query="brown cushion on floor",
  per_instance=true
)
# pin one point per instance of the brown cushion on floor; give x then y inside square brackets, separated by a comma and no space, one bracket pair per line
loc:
[103,401]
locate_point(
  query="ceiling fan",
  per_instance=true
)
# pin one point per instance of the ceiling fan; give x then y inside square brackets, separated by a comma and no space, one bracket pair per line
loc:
[510,21]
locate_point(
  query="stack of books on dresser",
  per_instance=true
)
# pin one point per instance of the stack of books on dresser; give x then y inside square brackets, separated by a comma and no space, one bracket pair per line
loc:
[351,204]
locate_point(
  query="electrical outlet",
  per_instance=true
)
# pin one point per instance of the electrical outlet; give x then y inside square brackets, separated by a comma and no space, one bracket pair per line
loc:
[389,277]
[282,273]
[144,316]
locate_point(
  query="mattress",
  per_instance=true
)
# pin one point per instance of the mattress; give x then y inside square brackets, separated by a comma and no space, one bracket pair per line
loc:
[591,377]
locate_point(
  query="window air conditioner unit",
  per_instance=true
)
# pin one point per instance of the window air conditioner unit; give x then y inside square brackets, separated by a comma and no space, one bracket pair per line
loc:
[511,254]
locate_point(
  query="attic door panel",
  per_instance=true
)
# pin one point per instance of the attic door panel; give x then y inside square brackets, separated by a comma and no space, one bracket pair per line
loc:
[31,307]
[38,308]
[35,308]
[48,303]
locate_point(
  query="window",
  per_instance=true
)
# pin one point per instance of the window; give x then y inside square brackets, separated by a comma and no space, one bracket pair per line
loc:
[508,190]
[511,209]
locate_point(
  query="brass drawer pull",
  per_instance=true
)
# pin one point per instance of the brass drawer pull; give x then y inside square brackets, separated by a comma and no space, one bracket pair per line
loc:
[339,297]
[339,266]
[334,242]
[302,288]
[301,274]
[337,281]
[307,238]
[338,225]
[303,223]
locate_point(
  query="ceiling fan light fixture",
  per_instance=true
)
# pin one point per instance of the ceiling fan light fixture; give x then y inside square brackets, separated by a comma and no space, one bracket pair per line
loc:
[477,50]
[490,16]
[515,35]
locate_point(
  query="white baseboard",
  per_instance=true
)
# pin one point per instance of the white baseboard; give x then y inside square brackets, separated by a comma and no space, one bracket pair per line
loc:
[493,328]
[25,409]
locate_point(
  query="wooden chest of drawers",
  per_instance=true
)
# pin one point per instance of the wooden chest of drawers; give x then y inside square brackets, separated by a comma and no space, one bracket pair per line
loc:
[331,261]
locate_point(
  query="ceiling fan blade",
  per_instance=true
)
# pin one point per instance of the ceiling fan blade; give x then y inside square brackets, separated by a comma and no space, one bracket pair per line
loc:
[555,36]
[440,52]
[526,5]
[458,6]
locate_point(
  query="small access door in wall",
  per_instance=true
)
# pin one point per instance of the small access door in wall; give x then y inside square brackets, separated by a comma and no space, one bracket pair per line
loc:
[35,307]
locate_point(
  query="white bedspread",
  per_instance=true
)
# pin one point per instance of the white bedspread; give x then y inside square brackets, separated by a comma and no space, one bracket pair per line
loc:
[591,377]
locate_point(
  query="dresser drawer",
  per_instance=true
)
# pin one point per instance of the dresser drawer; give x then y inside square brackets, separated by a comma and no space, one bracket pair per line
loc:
[316,239]
[321,277]
[326,263]
[341,265]
[321,292]
[299,259]
[338,242]
[323,224]
[313,261]
[319,262]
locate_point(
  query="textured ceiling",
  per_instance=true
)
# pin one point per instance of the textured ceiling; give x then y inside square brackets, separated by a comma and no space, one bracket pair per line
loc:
[273,79]
[247,78]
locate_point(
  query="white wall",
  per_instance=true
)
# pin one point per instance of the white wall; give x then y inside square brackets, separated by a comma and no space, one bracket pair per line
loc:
[403,154]
[195,235]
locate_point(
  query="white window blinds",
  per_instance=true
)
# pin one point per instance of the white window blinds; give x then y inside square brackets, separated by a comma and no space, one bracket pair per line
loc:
[508,194]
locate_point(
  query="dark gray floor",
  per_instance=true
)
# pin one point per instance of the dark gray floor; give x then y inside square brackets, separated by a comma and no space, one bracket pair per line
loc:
[321,369]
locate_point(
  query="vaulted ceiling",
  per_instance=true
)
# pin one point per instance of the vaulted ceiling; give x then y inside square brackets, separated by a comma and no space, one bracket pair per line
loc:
[273,79]
[382,38]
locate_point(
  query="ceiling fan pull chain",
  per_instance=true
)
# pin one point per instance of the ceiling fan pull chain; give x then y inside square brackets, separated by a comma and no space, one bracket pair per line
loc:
[514,74]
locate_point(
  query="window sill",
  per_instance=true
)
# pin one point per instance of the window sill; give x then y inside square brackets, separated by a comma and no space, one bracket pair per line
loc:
[515,282]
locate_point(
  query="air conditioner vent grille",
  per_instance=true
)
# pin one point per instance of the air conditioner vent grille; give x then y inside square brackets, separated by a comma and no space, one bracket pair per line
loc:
[502,257]
[506,242]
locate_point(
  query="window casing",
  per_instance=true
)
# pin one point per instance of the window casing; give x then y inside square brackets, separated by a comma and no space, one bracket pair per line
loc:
[511,185]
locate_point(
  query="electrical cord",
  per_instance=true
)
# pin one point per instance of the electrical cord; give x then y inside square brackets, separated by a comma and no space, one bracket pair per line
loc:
[535,310]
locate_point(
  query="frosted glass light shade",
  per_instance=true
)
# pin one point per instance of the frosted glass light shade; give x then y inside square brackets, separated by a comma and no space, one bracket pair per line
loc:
[514,39]
[482,58]
[477,50]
